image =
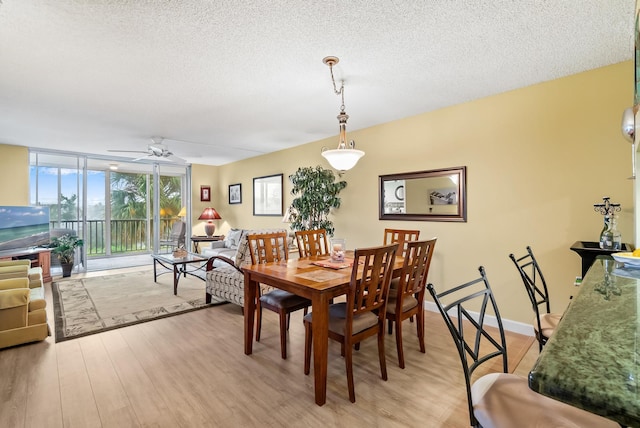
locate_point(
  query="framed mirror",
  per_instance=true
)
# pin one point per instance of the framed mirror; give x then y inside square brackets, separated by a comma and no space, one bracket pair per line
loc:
[434,195]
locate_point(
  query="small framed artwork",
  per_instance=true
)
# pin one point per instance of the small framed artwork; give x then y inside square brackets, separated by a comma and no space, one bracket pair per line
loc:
[267,195]
[235,193]
[205,193]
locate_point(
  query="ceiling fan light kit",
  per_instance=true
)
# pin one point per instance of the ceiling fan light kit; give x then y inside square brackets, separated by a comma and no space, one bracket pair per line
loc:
[346,156]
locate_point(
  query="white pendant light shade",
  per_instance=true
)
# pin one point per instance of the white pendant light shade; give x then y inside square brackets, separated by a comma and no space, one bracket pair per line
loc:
[342,159]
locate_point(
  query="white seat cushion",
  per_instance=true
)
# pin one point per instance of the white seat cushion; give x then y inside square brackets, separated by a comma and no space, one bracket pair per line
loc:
[505,400]
[548,322]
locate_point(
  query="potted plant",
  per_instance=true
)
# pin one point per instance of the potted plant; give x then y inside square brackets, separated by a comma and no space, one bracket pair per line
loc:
[318,193]
[64,247]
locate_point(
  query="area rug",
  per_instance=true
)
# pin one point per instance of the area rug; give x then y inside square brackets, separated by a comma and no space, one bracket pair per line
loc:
[92,305]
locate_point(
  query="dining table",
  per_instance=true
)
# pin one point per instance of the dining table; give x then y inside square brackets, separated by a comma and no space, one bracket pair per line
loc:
[307,278]
[592,360]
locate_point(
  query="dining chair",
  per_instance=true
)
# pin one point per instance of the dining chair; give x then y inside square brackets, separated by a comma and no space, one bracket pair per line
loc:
[362,315]
[409,299]
[401,237]
[266,248]
[498,399]
[312,242]
[545,322]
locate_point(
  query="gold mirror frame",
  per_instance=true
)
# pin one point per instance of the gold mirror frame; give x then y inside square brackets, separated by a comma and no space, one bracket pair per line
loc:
[433,195]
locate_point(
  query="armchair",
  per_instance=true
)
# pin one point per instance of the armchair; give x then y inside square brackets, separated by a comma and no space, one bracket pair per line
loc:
[23,317]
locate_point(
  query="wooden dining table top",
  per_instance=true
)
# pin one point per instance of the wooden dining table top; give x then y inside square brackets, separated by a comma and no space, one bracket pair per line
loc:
[302,274]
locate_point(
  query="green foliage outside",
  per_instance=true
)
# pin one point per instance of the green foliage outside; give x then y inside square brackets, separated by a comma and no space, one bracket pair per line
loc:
[316,191]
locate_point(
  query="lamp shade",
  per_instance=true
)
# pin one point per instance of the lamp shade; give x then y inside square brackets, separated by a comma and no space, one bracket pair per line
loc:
[183,212]
[209,214]
[342,159]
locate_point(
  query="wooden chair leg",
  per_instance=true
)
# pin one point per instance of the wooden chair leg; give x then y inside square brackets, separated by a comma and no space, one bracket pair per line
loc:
[399,344]
[258,320]
[348,361]
[308,337]
[284,323]
[420,325]
[383,361]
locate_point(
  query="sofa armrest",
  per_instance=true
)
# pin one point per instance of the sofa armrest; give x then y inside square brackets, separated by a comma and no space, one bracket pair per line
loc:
[227,260]
[13,283]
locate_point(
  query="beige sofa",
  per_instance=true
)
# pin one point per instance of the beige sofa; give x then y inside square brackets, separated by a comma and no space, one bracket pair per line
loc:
[224,278]
[23,317]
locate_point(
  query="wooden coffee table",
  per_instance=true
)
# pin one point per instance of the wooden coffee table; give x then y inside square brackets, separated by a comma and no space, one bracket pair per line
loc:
[178,265]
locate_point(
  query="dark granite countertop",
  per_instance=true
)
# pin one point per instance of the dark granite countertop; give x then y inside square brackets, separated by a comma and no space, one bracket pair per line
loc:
[592,359]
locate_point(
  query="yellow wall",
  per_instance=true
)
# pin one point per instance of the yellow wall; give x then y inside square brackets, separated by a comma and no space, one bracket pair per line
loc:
[14,174]
[537,160]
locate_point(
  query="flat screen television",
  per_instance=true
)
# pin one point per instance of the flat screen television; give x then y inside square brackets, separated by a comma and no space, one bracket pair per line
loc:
[23,227]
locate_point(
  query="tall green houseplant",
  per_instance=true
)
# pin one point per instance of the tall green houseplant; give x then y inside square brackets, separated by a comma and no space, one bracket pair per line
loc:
[316,191]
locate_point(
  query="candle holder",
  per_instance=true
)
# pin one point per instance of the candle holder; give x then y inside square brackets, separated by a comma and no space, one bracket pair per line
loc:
[338,247]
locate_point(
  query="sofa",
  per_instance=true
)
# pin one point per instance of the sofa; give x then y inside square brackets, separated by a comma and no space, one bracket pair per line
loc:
[23,316]
[224,277]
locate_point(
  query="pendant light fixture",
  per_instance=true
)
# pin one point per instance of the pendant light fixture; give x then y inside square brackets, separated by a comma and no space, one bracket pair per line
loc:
[345,156]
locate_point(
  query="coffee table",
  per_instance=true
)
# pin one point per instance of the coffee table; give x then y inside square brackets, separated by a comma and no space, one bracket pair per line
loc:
[178,265]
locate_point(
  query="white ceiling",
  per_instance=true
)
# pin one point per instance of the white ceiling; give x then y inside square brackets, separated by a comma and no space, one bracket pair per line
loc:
[224,80]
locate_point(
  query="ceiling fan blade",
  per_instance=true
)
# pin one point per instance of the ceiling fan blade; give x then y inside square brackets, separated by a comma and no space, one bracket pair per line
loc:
[128,151]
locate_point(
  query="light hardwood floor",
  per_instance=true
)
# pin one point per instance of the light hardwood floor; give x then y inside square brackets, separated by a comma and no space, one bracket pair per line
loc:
[190,371]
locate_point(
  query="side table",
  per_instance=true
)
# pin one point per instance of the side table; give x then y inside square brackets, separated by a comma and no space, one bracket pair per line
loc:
[198,239]
[588,251]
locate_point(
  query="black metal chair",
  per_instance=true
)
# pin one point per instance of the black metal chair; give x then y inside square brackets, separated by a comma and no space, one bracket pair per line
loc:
[545,322]
[498,399]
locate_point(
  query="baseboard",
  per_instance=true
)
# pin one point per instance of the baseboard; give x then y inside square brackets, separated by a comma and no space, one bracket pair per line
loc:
[512,326]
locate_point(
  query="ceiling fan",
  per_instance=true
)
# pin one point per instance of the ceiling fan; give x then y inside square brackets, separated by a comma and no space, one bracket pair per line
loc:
[157,150]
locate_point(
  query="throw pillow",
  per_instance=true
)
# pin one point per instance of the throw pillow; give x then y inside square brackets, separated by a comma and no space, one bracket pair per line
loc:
[233,238]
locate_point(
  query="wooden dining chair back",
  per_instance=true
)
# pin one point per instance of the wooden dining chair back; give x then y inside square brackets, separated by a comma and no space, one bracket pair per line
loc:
[497,399]
[267,248]
[362,315]
[409,298]
[545,322]
[312,242]
[401,237]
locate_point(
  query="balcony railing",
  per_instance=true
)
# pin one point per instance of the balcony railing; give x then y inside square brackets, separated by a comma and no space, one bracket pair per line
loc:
[127,236]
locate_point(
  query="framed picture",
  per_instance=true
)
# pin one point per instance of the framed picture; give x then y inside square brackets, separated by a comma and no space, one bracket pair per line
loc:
[235,193]
[267,195]
[205,193]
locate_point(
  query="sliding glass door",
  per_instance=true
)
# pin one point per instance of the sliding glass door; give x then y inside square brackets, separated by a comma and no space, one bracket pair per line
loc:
[109,203]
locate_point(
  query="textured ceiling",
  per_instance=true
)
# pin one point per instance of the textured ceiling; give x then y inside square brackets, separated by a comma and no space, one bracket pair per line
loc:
[224,80]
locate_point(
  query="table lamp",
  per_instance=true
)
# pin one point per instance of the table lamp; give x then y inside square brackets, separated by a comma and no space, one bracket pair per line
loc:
[209,214]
